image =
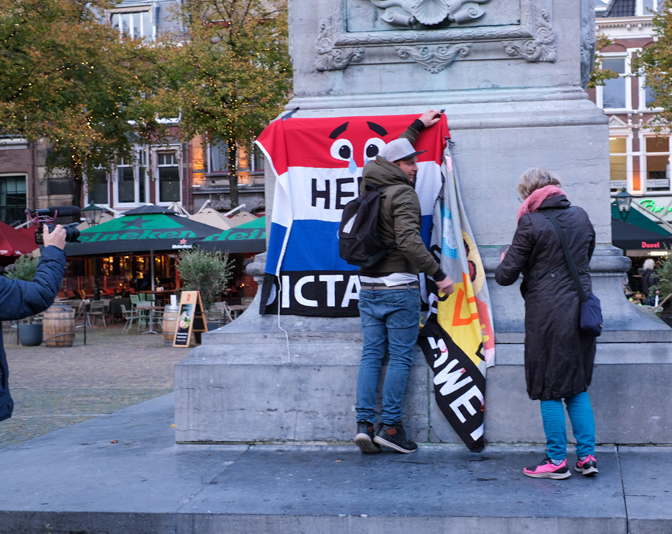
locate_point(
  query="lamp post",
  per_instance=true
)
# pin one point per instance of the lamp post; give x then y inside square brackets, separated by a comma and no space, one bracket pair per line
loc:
[92,214]
[623,201]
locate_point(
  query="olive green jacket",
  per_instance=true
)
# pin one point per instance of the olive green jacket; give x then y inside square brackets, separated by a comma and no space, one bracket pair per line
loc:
[399,220]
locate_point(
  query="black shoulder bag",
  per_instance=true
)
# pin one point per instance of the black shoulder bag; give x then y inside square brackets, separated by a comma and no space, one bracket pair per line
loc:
[591,310]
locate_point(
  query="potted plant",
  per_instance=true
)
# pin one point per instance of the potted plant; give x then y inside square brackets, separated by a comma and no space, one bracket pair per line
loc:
[207,272]
[664,289]
[24,268]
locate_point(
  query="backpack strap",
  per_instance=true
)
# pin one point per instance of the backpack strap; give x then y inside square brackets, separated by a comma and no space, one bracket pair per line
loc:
[568,256]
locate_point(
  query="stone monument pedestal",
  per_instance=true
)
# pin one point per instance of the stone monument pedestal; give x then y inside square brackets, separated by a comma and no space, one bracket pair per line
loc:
[510,81]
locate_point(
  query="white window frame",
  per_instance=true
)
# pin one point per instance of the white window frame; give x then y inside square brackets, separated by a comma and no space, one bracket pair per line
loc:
[109,196]
[135,165]
[628,160]
[176,149]
[210,167]
[253,160]
[643,162]
[151,35]
[599,93]
[641,12]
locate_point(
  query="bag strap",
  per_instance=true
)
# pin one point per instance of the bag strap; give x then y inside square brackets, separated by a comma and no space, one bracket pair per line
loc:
[568,256]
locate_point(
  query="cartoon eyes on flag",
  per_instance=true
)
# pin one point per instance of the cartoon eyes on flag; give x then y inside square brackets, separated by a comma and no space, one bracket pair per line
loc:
[342,150]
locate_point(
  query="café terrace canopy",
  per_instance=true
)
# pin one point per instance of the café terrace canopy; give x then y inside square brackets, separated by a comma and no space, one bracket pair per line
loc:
[638,232]
[148,228]
[246,238]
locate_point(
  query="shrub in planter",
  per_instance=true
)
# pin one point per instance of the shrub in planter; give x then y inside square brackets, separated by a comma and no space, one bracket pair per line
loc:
[207,272]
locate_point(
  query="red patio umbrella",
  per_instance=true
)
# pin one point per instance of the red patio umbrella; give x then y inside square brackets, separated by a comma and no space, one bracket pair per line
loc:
[14,243]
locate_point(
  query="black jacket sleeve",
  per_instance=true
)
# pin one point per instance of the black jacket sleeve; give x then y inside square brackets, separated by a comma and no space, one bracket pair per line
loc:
[519,253]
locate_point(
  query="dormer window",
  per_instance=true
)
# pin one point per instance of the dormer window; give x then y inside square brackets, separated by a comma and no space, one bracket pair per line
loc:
[645,7]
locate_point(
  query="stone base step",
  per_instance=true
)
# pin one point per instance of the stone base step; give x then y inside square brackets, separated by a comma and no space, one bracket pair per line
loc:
[123,473]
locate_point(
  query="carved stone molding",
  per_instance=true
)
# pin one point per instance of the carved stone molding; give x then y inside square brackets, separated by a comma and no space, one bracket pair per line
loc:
[433,58]
[531,38]
[329,57]
[587,41]
[429,12]
[541,47]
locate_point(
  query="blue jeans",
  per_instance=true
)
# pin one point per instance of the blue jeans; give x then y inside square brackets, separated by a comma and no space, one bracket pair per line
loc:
[391,322]
[583,425]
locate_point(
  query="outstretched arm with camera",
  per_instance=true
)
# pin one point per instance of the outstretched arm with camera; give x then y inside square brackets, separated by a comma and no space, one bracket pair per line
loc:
[19,299]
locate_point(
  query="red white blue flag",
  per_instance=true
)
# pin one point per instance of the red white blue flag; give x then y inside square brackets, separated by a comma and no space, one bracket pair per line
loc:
[318,167]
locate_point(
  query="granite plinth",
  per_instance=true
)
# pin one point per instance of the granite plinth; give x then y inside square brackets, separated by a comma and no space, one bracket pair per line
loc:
[124,473]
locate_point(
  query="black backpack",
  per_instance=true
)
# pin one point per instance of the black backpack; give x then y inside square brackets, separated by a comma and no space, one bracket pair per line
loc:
[358,240]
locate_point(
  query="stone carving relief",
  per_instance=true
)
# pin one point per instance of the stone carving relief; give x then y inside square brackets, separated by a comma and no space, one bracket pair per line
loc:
[541,47]
[329,57]
[587,41]
[431,32]
[433,58]
[430,12]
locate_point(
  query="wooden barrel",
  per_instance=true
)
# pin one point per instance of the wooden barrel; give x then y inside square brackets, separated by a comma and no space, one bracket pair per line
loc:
[59,326]
[169,325]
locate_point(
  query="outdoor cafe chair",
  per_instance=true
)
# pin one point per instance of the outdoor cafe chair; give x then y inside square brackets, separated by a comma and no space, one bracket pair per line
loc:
[130,316]
[97,310]
[135,300]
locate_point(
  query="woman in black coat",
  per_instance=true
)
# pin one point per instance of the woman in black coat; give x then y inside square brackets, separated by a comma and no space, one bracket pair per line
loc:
[559,356]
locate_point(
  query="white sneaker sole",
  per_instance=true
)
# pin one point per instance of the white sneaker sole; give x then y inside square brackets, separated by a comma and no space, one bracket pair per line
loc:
[554,476]
[385,443]
[587,472]
[365,444]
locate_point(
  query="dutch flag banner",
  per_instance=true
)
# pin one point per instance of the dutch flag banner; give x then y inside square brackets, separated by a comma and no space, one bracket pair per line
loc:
[318,166]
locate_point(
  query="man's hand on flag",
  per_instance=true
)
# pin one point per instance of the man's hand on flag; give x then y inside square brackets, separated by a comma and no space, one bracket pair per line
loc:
[445,285]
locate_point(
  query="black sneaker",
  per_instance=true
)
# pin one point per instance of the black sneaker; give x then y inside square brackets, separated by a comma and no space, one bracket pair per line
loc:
[587,467]
[394,437]
[364,437]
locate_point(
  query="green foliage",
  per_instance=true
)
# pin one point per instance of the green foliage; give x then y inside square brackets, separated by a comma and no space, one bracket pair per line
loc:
[664,275]
[230,73]
[24,268]
[67,77]
[207,272]
[655,63]
[599,76]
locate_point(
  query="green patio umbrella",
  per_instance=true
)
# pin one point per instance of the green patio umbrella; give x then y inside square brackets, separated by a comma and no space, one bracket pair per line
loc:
[141,230]
[248,237]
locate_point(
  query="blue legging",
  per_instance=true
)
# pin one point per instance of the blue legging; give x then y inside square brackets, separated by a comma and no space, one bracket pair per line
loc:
[583,425]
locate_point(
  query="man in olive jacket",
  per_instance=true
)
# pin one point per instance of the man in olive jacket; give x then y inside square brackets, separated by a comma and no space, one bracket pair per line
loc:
[19,299]
[389,300]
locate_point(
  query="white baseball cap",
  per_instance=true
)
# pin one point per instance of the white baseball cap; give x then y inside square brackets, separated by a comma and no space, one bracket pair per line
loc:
[399,149]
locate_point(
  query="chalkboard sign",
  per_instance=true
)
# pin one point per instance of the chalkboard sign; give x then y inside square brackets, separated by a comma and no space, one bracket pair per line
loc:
[191,319]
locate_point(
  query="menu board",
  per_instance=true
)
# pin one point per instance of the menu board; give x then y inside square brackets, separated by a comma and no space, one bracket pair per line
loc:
[190,320]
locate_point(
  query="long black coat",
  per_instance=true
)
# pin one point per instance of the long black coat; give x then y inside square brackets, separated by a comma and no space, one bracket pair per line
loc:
[559,357]
[19,299]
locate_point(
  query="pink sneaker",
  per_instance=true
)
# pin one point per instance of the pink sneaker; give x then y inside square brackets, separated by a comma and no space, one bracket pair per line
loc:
[587,467]
[547,469]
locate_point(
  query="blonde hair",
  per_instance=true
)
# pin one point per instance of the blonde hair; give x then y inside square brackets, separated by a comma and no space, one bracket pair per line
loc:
[536,178]
[649,265]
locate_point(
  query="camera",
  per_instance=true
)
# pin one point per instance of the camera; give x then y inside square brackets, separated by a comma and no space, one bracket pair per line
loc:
[47,216]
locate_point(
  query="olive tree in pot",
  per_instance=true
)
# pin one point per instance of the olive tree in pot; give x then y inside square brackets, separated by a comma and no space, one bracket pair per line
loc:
[207,272]
[24,268]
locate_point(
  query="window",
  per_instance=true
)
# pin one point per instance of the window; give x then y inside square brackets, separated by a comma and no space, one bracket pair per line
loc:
[134,24]
[131,183]
[657,161]
[13,199]
[645,7]
[219,158]
[618,160]
[614,92]
[98,188]
[169,177]
[258,160]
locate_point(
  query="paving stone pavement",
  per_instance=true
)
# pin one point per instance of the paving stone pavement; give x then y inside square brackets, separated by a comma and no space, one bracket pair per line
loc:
[54,387]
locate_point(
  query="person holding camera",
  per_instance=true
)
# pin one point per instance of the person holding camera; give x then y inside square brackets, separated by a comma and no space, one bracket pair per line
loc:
[19,299]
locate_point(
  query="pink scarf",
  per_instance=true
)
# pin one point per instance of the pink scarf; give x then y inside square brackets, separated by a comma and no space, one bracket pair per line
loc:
[532,203]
